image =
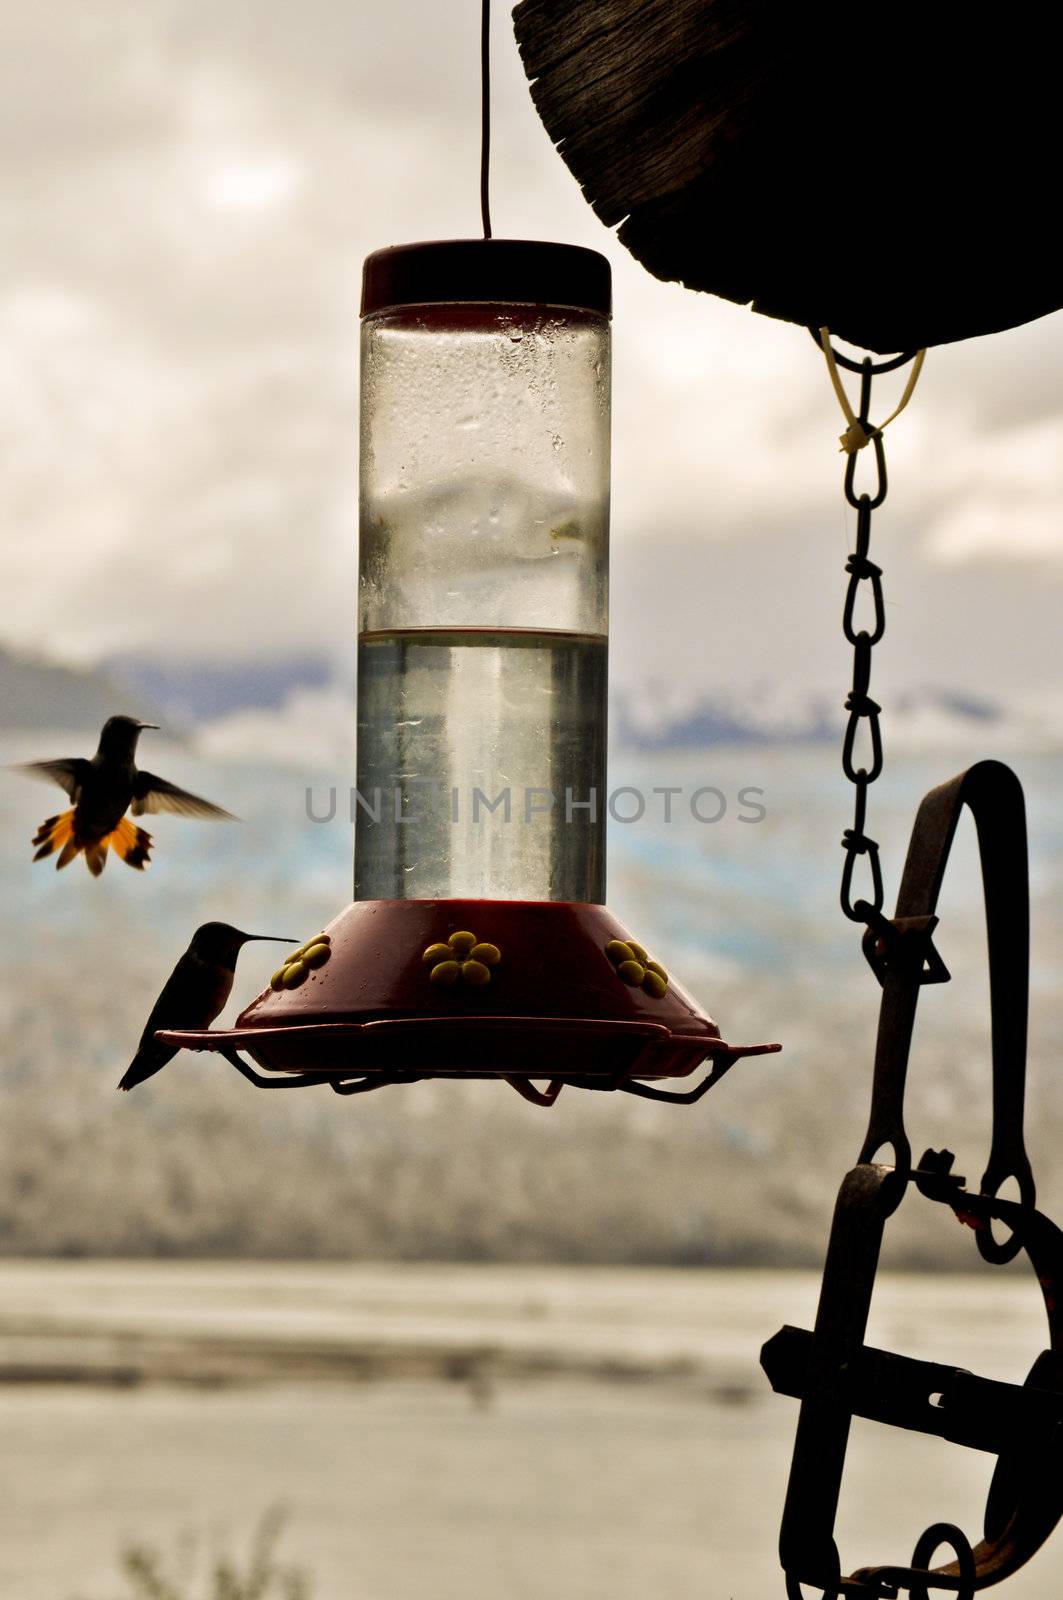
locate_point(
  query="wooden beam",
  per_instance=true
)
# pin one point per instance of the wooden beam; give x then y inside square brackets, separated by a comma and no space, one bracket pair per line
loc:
[890,170]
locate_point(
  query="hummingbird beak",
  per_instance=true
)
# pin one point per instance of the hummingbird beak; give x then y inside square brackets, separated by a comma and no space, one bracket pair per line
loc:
[143,725]
[270,938]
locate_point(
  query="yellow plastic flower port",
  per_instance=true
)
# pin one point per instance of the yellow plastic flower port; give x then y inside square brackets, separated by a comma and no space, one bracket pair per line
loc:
[636,969]
[298,966]
[463,959]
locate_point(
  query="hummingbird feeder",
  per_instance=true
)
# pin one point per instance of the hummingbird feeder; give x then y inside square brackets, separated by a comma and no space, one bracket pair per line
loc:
[478,944]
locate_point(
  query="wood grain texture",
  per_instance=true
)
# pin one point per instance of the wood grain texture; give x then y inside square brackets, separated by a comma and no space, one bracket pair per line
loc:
[892,171]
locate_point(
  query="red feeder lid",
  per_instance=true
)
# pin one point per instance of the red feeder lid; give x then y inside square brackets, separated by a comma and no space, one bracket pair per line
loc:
[491,271]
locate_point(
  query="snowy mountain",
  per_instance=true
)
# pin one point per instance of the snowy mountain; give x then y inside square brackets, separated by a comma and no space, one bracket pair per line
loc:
[195,691]
[296,708]
[36,693]
[654,719]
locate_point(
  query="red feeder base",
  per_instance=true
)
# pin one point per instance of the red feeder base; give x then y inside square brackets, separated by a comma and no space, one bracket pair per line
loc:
[553,998]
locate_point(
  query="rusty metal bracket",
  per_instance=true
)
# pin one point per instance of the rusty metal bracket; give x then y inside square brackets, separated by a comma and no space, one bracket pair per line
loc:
[833,1372]
[993,794]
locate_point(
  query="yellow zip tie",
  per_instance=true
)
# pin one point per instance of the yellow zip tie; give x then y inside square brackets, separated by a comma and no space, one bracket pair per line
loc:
[855,436]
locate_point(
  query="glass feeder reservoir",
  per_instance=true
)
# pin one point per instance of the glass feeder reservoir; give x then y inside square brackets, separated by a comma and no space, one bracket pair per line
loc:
[478,943]
[483,584]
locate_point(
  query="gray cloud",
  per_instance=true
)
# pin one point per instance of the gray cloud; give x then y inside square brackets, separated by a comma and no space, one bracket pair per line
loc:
[191,190]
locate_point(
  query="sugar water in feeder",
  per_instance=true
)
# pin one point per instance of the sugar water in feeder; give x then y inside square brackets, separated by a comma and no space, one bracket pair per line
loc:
[483,585]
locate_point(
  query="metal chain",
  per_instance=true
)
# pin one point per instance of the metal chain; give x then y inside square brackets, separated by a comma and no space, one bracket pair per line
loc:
[859,704]
[864,712]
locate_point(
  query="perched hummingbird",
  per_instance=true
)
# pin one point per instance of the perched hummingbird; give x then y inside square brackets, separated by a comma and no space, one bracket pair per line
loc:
[102,789]
[193,995]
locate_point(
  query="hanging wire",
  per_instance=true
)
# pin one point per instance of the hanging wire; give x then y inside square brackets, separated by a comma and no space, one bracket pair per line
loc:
[485,116]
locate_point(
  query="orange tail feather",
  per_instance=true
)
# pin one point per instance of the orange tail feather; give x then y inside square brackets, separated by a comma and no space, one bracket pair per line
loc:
[96,855]
[130,843]
[56,833]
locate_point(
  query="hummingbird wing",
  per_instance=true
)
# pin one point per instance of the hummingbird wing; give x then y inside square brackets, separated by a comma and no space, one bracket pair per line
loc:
[148,1060]
[191,997]
[174,1000]
[69,774]
[155,794]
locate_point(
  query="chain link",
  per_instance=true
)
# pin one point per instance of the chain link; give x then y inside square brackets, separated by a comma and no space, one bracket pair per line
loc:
[865,580]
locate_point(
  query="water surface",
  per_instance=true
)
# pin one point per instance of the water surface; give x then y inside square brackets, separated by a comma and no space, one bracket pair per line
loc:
[580,1434]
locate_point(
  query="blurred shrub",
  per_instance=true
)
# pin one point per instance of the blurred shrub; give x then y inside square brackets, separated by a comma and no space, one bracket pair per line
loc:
[149,1576]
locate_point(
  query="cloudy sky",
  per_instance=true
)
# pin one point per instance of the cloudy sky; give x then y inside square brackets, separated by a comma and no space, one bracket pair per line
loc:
[190,188]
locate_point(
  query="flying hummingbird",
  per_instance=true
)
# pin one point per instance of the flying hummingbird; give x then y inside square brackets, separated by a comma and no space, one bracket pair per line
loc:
[193,995]
[102,790]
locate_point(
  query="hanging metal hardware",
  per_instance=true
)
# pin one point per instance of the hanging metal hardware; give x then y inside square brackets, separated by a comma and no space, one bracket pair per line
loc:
[865,577]
[833,1372]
